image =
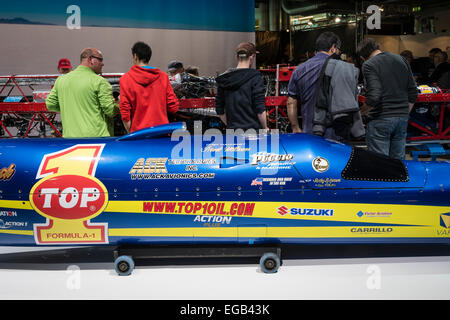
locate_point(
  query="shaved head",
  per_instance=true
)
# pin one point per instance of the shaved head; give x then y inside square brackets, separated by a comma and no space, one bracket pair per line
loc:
[93,59]
[87,52]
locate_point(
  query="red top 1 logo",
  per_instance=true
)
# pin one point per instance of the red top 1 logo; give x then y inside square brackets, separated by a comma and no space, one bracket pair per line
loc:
[69,197]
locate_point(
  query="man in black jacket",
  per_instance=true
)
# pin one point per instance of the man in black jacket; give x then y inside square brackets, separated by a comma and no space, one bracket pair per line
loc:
[240,94]
[391,94]
[441,68]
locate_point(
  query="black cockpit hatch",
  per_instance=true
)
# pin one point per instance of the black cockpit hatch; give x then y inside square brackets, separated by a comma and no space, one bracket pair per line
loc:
[370,166]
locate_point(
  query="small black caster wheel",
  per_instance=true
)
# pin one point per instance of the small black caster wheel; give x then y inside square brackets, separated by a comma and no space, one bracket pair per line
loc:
[124,265]
[269,263]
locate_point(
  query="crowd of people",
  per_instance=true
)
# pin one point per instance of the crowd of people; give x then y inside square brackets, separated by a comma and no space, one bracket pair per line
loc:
[327,88]
[87,105]
[322,90]
[433,70]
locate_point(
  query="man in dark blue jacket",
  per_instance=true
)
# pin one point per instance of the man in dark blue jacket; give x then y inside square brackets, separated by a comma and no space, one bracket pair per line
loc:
[304,83]
[391,94]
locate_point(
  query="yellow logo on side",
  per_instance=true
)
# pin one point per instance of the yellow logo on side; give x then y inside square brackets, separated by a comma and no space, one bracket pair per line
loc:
[69,195]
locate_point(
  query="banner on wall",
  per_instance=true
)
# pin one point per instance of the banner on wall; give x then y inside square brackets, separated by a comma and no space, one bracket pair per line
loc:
[202,33]
[218,15]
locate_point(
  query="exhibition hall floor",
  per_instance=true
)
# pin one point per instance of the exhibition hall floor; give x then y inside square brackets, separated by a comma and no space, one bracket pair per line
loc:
[356,276]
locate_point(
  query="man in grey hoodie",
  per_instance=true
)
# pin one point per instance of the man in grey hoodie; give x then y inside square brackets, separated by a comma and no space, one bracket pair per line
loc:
[336,102]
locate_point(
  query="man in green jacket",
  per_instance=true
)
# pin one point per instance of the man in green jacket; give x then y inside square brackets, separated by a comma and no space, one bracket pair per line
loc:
[84,99]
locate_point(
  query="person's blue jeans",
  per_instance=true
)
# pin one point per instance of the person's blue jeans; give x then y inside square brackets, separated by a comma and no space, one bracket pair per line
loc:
[387,136]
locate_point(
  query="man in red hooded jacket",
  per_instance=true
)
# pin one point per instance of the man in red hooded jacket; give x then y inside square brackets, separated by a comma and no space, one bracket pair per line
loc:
[146,95]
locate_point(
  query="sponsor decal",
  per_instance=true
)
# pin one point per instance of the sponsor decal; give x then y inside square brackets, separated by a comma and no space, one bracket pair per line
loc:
[326,182]
[445,220]
[212,148]
[257,182]
[266,158]
[8,214]
[213,221]
[12,224]
[271,181]
[227,148]
[236,149]
[283,210]
[69,196]
[374,214]
[150,165]
[320,164]
[365,230]
[173,176]
[7,173]
[441,233]
[155,168]
[205,208]
[191,161]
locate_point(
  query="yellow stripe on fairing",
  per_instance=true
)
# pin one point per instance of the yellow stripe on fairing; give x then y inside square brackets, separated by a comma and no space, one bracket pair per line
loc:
[271,232]
[412,215]
[16,204]
[400,214]
[18,232]
[346,212]
[281,232]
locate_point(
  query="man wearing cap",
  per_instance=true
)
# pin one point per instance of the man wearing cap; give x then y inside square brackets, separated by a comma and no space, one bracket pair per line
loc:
[240,94]
[175,67]
[146,96]
[84,99]
[64,66]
